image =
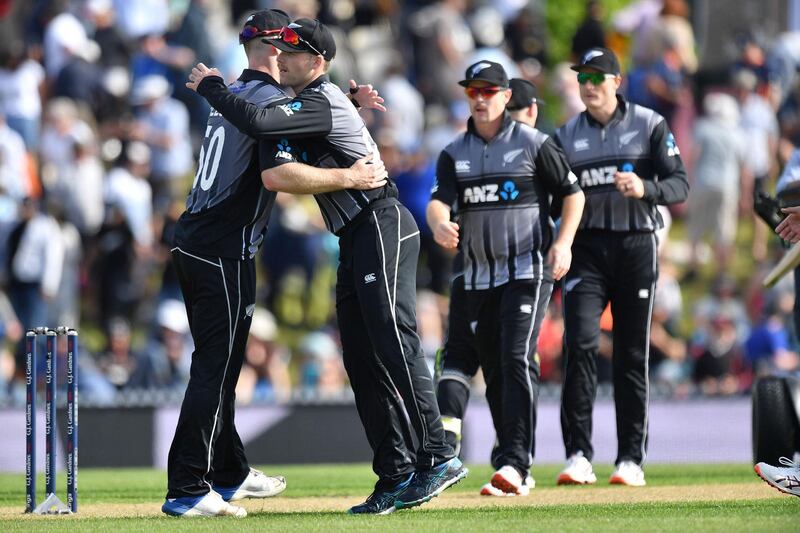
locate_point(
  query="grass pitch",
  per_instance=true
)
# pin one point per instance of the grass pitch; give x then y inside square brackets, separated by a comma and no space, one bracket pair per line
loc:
[683,498]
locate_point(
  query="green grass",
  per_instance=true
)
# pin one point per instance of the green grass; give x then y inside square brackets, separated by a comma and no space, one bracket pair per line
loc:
[136,486]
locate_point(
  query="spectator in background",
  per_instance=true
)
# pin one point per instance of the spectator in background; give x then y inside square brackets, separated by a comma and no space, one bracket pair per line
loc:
[80,78]
[590,34]
[64,309]
[13,163]
[669,364]
[487,30]
[442,40]
[718,360]
[166,362]
[35,262]
[753,57]
[64,37]
[11,332]
[163,124]
[769,348]
[63,124]
[120,364]
[719,177]
[265,373]
[759,128]
[80,186]
[143,17]
[405,107]
[673,27]
[723,299]
[322,373]
[21,82]
[127,188]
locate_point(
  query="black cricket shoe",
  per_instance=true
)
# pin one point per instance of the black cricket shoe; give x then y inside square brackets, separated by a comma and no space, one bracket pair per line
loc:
[431,483]
[382,500]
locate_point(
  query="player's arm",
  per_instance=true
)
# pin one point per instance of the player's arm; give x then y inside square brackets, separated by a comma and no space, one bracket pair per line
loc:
[280,171]
[443,195]
[307,115]
[552,165]
[672,186]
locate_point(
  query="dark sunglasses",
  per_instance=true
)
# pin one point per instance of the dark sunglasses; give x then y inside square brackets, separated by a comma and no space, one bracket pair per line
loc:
[486,92]
[251,32]
[289,36]
[596,78]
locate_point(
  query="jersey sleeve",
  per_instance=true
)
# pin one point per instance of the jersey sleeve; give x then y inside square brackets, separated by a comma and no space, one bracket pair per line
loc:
[672,186]
[445,188]
[553,168]
[307,115]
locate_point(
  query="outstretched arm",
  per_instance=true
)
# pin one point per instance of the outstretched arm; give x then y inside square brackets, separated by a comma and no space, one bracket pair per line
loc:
[299,178]
[307,115]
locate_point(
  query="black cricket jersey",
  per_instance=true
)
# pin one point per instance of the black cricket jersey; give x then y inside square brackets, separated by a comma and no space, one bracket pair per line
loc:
[228,208]
[501,189]
[318,127]
[636,139]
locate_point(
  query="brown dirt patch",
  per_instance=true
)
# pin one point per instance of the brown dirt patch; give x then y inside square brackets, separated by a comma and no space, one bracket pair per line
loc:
[538,498]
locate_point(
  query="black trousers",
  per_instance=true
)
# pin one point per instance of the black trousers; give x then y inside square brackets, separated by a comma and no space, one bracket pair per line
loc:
[220,295]
[508,321]
[376,308]
[621,268]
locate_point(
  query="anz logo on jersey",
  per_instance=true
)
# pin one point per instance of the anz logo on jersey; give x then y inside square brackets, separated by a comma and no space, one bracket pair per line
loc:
[490,193]
[290,108]
[285,152]
[593,177]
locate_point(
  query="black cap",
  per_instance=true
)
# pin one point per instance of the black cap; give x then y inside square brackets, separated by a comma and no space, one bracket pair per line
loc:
[261,22]
[315,38]
[487,71]
[601,59]
[523,94]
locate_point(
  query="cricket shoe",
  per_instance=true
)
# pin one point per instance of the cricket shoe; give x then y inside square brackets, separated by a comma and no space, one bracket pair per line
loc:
[524,490]
[210,504]
[577,472]
[256,485]
[381,501]
[431,483]
[628,473]
[784,479]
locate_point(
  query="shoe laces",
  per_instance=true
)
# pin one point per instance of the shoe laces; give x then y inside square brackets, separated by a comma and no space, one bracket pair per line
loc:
[785,461]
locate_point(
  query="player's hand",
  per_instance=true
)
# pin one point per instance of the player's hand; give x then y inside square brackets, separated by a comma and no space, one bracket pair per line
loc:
[446,234]
[366,96]
[199,73]
[629,184]
[560,258]
[367,173]
[789,228]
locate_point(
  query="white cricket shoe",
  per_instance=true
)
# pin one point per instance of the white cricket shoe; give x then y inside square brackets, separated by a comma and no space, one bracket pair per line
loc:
[256,485]
[210,504]
[628,473]
[508,479]
[524,490]
[784,479]
[577,472]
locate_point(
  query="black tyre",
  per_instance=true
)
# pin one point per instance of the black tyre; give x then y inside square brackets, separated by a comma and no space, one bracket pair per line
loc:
[775,426]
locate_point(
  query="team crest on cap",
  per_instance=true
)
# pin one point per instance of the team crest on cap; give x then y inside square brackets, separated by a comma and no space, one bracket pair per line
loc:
[477,68]
[591,54]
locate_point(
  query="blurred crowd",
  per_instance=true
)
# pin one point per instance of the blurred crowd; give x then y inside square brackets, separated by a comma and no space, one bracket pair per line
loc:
[99,136]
